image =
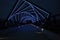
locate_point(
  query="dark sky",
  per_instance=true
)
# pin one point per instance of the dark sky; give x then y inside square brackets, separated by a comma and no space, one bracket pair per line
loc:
[5,6]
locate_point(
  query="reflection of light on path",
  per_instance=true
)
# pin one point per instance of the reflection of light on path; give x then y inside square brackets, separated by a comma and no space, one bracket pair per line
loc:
[40,32]
[2,38]
[42,29]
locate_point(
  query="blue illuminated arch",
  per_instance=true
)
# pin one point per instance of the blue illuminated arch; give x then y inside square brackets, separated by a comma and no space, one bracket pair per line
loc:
[25,11]
[30,10]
